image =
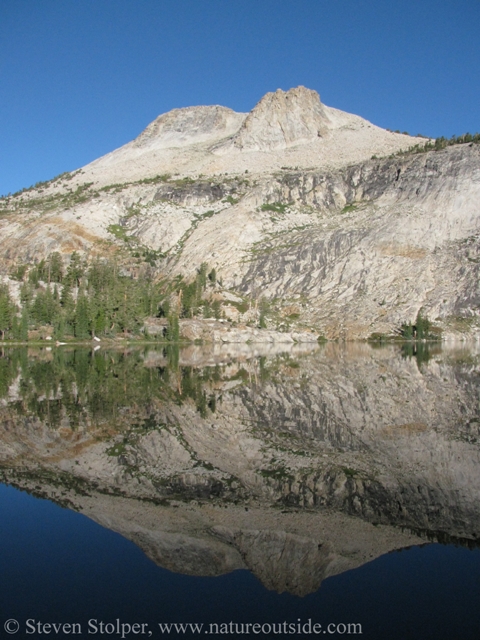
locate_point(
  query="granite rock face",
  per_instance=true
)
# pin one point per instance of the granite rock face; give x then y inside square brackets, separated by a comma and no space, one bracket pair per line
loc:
[282,119]
[190,125]
[394,238]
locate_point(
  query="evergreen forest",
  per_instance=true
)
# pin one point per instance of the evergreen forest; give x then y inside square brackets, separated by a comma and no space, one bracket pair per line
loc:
[99,299]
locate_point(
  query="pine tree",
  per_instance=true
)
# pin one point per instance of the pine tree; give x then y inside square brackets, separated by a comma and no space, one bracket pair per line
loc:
[67,308]
[24,325]
[33,276]
[81,320]
[6,310]
[407,331]
[75,270]
[217,309]
[212,276]
[59,326]
[173,329]
[202,275]
[45,307]
[423,327]
[263,312]
[26,294]
[55,267]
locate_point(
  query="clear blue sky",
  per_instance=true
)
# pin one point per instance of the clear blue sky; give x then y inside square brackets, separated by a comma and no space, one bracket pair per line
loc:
[79,78]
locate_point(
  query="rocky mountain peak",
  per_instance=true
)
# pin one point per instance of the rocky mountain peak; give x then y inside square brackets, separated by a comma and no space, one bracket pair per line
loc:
[285,128]
[283,119]
[190,125]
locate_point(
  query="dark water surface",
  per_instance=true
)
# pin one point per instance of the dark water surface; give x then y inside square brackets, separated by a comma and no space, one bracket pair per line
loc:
[59,566]
[379,472]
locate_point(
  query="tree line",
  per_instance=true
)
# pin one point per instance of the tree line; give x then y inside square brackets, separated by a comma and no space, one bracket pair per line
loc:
[100,298]
[442,143]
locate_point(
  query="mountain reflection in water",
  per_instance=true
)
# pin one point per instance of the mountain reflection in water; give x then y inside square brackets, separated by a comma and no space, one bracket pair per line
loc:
[296,465]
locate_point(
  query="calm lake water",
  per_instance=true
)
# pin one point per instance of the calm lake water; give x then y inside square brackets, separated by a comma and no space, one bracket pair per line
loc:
[334,487]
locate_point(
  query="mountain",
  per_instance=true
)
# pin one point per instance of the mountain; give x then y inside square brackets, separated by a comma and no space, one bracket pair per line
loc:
[340,227]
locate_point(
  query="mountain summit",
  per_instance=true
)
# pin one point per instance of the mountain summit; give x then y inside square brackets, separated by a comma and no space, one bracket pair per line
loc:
[282,119]
[192,125]
[279,120]
[285,128]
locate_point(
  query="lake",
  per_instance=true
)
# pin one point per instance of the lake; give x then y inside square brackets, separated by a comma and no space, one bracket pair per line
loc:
[253,492]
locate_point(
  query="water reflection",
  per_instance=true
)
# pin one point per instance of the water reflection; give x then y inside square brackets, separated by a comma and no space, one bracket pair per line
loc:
[295,465]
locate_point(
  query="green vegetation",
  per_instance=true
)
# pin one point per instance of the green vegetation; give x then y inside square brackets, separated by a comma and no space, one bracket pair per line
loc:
[276,207]
[32,198]
[101,298]
[231,200]
[242,307]
[80,301]
[119,232]
[7,311]
[422,329]
[348,207]
[41,185]
[278,473]
[164,177]
[462,323]
[379,338]
[104,297]
[188,296]
[66,177]
[264,310]
[212,276]
[44,204]
[442,143]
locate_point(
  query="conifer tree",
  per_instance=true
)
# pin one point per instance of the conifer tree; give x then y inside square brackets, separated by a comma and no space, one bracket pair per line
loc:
[81,320]
[6,311]
[55,267]
[75,270]
[24,324]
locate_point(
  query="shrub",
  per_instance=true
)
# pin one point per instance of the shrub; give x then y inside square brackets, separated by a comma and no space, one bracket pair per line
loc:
[277,207]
